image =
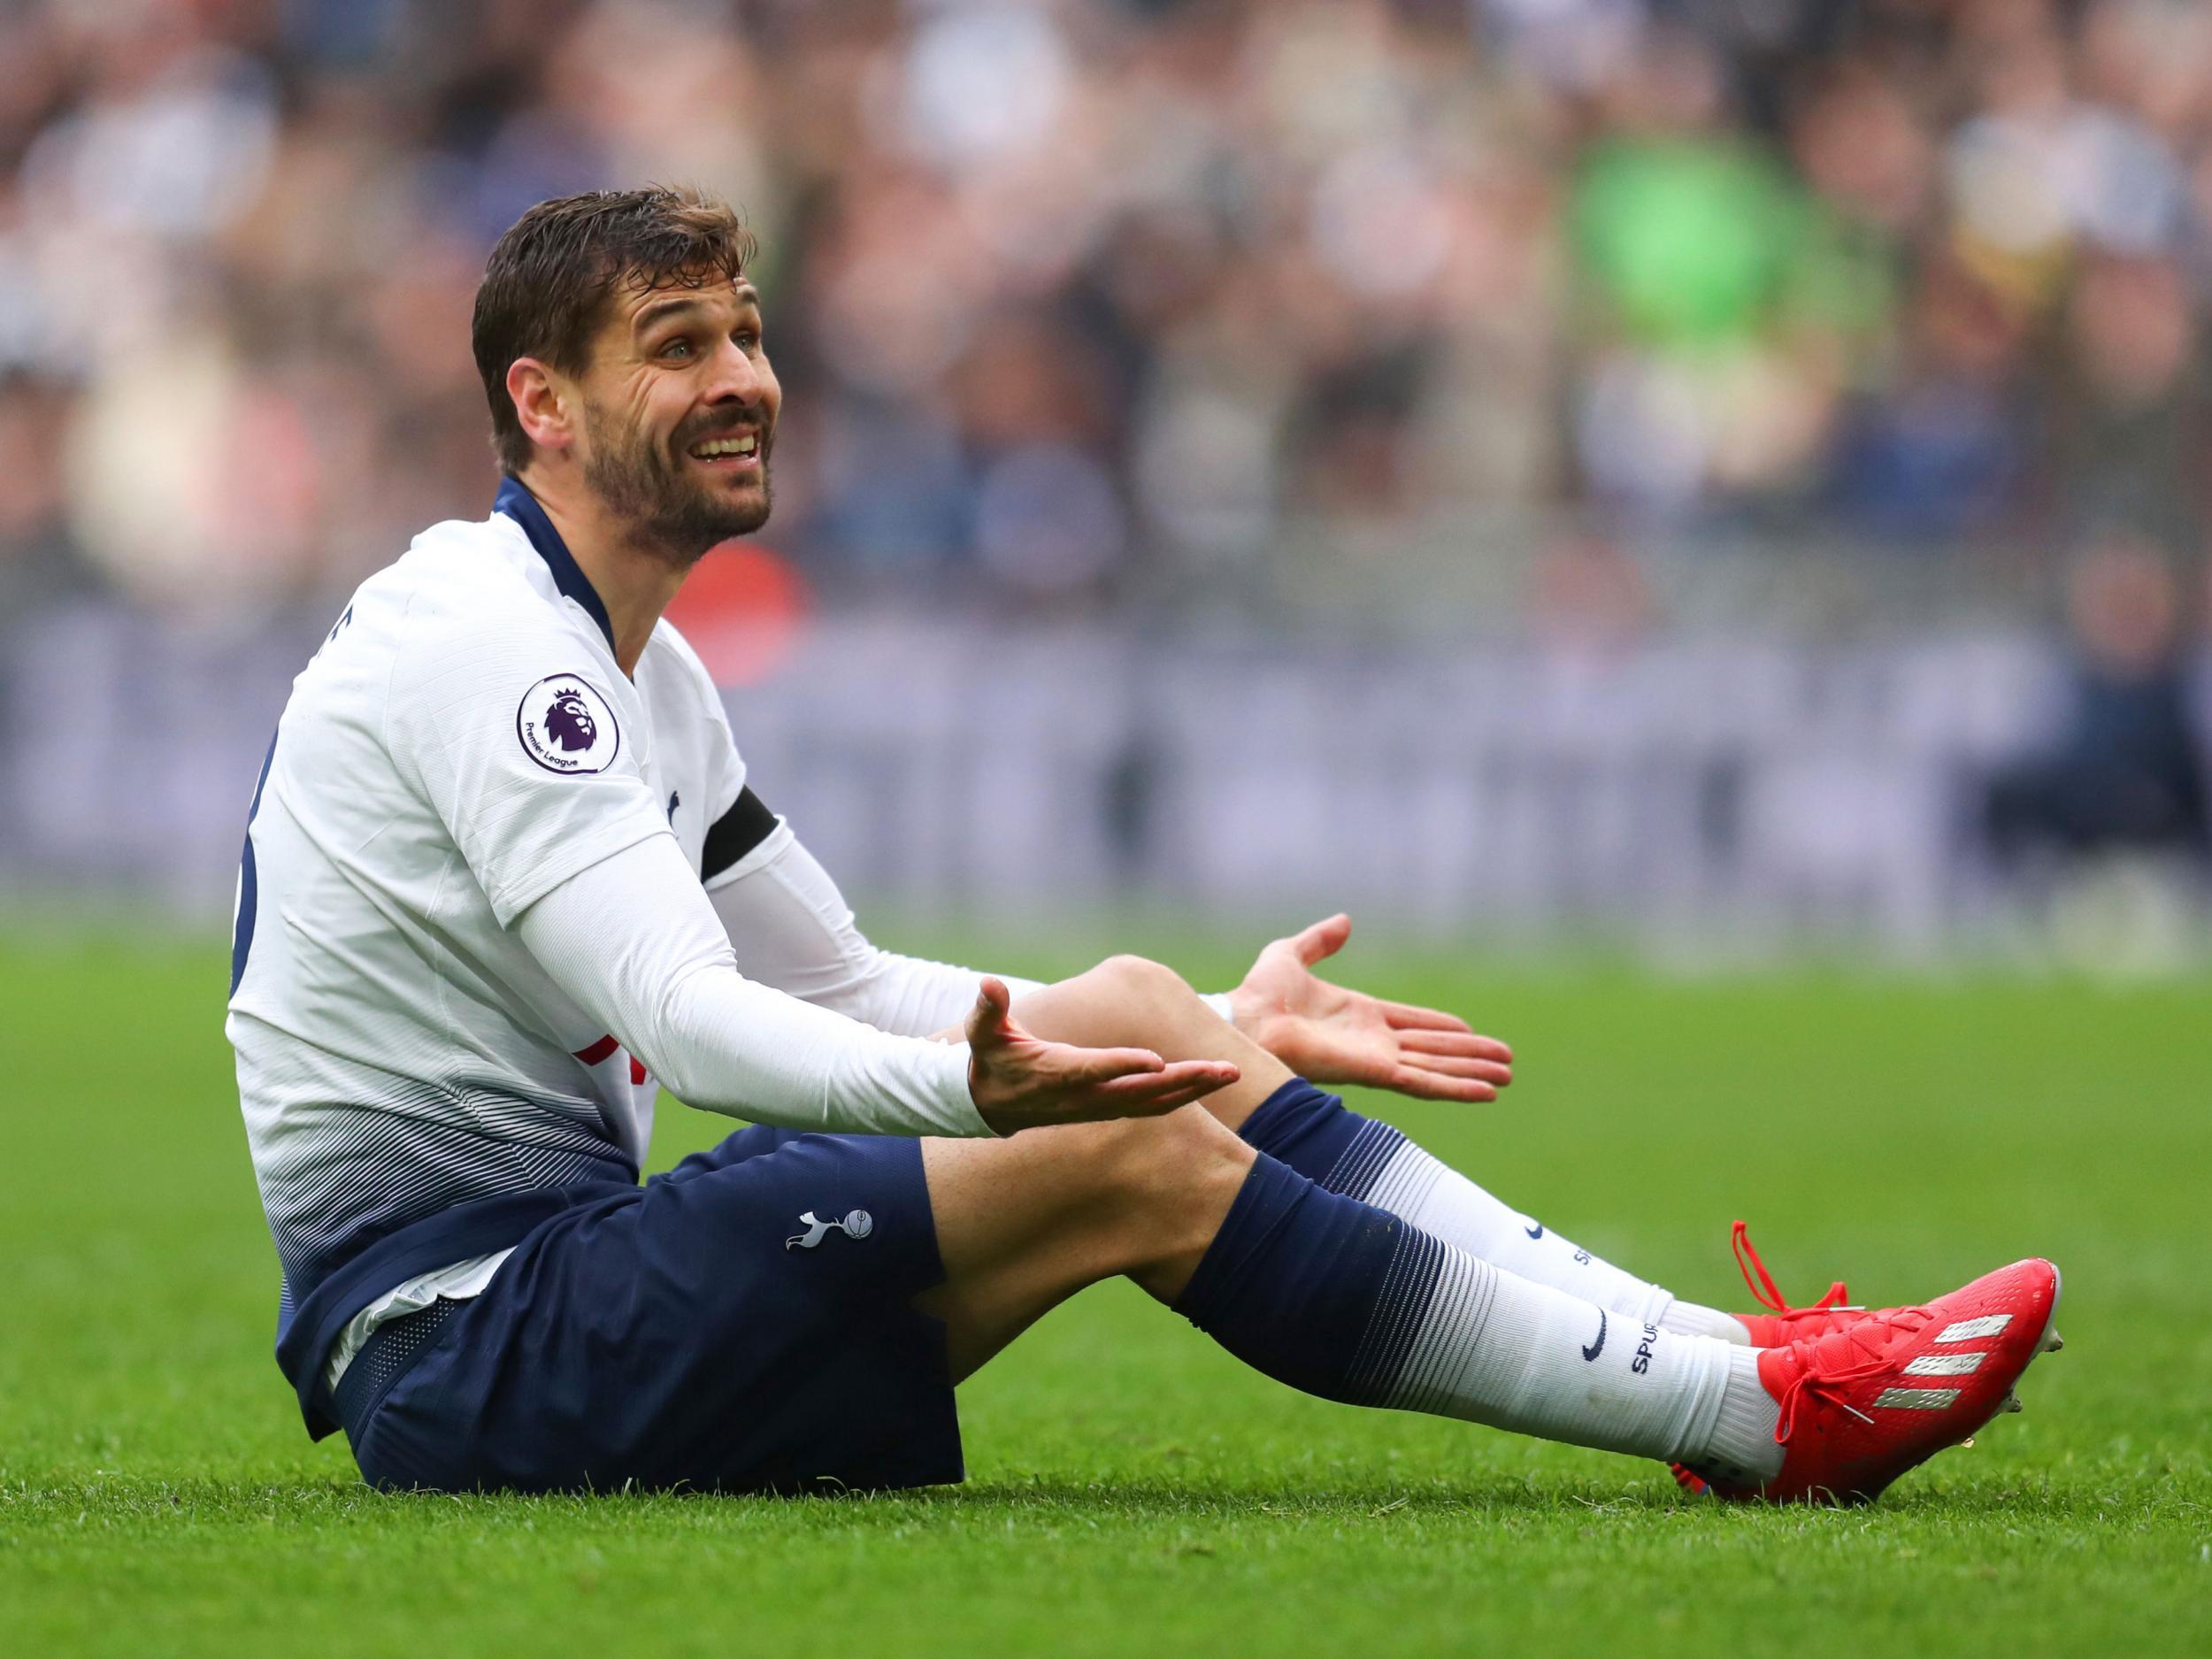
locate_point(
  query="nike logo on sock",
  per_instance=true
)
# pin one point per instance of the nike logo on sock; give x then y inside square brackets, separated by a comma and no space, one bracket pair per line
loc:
[1535,1231]
[1598,1347]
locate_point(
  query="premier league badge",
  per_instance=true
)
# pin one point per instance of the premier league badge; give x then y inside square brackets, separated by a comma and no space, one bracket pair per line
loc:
[566,727]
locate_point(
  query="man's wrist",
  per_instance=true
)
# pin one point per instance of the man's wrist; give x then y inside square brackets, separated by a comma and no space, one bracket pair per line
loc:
[952,1066]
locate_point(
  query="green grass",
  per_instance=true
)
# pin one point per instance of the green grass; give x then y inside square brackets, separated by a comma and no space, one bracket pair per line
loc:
[1132,1489]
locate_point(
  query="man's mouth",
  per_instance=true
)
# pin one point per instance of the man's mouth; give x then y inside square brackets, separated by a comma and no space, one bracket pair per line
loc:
[727,451]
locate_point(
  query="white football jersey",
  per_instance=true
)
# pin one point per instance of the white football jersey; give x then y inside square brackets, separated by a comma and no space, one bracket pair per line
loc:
[462,743]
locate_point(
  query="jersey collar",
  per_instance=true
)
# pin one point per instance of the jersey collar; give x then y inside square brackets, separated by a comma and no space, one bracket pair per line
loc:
[519,505]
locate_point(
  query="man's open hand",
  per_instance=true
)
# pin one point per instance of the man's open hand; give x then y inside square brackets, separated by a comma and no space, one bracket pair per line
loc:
[1020,1081]
[1329,1034]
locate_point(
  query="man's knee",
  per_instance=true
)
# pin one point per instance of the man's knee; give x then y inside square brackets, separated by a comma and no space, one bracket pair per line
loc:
[1124,1000]
[1139,989]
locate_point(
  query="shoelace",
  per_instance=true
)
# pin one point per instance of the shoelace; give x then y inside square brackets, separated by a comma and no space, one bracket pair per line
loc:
[1762,1288]
[1827,1381]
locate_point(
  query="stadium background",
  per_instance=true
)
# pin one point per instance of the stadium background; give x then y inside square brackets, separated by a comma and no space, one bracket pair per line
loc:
[1722,476]
[1597,487]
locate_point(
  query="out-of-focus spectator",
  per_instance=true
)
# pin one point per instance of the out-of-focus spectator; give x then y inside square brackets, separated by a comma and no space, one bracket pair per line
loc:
[2126,771]
[1938,456]
[2135,434]
[38,561]
[1281,302]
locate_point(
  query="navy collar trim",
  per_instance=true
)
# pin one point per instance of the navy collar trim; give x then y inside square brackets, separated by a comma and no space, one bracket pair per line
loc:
[519,505]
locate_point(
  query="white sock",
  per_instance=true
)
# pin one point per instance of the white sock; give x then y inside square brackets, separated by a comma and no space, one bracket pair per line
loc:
[1689,1318]
[1403,1178]
[1491,1346]
[1741,1449]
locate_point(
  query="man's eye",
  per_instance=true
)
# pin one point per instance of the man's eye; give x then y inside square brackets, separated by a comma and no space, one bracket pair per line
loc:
[677,349]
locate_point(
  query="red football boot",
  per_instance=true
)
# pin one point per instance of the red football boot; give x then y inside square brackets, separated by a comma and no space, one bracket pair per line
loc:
[1863,1404]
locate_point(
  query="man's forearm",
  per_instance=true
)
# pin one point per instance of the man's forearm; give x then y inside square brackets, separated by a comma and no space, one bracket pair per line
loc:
[790,927]
[633,941]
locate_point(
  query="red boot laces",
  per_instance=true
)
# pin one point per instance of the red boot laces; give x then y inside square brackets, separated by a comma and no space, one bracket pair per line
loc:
[1763,1289]
[1827,1372]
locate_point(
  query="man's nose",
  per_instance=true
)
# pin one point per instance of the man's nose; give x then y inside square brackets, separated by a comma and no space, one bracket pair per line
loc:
[739,376]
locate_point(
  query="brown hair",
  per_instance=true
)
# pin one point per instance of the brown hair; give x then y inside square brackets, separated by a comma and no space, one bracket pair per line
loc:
[545,284]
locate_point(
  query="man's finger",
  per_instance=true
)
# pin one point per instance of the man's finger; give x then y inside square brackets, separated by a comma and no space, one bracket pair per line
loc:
[1489,1071]
[1092,1107]
[1406,1017]
[1078,1067]
[993,1003]
[1322,940]
[1186,1079]
[1466,1042]
[1454,1042]
[1206,1075]
[1463,1045]
[1429,1086]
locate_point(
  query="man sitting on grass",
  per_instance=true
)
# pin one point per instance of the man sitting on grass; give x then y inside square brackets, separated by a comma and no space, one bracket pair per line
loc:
[505,876]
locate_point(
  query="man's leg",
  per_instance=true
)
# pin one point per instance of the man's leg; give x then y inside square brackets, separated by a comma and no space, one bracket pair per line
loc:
[1317,1290]
[1025,1223]
[1129,1000]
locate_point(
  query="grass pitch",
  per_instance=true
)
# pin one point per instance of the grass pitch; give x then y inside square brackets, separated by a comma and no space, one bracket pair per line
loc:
[1132,1489]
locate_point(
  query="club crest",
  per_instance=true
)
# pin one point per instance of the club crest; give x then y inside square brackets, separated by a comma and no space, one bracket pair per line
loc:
[566,727]
[858,1224]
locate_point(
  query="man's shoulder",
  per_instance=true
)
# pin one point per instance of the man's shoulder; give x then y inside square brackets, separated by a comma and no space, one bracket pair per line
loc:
[453,630]
[463,561]
[463,588]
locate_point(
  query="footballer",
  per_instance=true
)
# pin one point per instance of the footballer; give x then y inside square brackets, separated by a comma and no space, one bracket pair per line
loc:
[505,876]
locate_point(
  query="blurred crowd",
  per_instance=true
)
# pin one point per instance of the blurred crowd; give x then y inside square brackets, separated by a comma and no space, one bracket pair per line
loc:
[1075,299]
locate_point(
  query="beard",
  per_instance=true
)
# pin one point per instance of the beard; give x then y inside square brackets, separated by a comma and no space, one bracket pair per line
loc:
[648,491]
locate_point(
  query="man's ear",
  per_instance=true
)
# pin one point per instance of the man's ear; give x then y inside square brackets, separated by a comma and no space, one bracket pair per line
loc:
[546,409]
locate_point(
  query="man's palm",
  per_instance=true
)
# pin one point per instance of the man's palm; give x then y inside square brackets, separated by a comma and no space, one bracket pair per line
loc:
[1329,1034]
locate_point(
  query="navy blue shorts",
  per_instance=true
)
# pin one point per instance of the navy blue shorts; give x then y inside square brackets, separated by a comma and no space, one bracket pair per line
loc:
[701,1332]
